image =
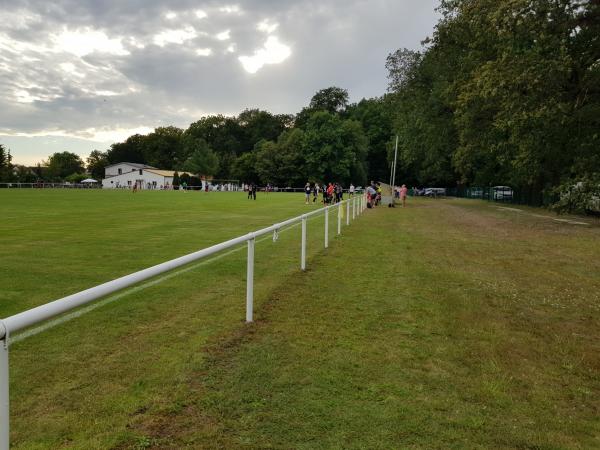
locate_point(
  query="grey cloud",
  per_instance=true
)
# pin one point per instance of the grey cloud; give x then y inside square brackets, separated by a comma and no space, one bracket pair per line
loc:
[342,43]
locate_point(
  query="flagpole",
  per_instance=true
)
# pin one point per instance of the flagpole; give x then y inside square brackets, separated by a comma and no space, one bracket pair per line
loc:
[394,168]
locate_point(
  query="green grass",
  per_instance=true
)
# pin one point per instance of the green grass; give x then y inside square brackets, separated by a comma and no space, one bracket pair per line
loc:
[448,324]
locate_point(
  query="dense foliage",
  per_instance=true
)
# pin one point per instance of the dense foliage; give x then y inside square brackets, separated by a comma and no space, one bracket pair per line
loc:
[505,93]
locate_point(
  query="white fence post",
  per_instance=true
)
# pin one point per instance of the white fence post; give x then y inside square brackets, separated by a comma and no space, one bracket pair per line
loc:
[339,218]
[353,208]
[303,259]
[326,227]
[250,281]
[4,398]
[348,212]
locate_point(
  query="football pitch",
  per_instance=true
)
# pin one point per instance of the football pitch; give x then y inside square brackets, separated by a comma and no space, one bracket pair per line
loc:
[448,324]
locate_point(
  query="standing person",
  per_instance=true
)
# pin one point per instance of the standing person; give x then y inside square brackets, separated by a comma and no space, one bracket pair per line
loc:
[307,193]
[315,192]
[250,190]
[371,196]
[351,190]
[378,189]
[339,192]
[403,192]
[330,193]
[324,192]
[254,189]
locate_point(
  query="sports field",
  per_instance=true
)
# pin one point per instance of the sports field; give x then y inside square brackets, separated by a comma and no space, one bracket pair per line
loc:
[449,324]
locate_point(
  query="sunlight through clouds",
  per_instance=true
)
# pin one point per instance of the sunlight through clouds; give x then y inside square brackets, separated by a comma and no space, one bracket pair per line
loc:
[230,9]
[267,27]
[273,52]
[223,36]
[175,36]
[82,43]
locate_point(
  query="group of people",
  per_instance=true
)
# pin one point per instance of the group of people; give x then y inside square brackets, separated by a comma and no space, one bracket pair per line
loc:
[374,194]
[332,192]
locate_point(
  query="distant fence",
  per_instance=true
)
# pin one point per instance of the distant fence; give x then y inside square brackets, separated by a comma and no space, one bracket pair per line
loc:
[353,207]
[505,194]
[50,185]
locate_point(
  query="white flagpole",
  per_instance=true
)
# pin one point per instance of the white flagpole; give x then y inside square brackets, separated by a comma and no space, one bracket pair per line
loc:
[394,168]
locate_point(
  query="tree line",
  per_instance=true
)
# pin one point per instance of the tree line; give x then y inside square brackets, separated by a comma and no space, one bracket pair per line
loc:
[504,93]
[330,139]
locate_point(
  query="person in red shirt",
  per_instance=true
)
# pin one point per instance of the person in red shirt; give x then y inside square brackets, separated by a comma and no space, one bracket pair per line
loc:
[329,193]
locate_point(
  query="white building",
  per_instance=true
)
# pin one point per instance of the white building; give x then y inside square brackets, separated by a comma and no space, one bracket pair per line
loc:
[128,175]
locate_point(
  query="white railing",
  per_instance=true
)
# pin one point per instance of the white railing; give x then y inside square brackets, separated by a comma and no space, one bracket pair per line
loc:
[41,313]
[48,185]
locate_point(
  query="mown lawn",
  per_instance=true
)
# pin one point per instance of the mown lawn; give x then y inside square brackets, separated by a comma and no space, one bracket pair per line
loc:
[448,324]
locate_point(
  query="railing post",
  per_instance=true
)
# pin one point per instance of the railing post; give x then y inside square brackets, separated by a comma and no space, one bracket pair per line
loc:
[303,253]
[339,218]
[353,208]
[348,213]
[250,280]
[4,399]
[326,227]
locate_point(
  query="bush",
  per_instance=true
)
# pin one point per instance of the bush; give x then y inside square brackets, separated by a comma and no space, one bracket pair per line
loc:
[581,197]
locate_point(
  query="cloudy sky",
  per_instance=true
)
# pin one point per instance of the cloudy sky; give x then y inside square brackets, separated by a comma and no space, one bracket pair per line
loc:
[78,75]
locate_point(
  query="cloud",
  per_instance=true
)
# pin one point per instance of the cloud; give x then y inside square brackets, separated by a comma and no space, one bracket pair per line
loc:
[273,52]
[267,27]
[175,36]
[86,41]
[83,67]
[224,35]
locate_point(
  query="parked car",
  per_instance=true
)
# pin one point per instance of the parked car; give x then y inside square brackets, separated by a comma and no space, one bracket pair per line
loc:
[434,192]
[502,192]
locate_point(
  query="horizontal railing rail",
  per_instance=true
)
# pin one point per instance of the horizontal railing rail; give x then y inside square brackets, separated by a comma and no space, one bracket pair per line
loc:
[47,311]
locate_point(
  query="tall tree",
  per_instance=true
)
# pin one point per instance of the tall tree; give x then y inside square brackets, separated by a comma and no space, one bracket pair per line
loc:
[5,164]
[62,164]
[162,147]
[332,99]
[201,160]
[96,163]
[336,149]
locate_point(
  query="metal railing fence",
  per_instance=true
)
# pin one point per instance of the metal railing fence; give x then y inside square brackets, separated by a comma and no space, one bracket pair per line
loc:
[44,312]
[506,194]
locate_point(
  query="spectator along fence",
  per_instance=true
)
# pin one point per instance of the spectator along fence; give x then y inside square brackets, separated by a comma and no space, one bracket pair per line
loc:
[353,207]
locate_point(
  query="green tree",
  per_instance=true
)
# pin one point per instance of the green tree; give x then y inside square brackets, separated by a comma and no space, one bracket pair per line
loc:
[162,147]
[201,160]
[332,99]
[244,168]
[336,149]
[131,150]
[62,164]
[224,136]
[96,163]
[5,164]
[376,118]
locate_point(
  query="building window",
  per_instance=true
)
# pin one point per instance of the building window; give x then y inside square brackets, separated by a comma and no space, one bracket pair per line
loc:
[120,171]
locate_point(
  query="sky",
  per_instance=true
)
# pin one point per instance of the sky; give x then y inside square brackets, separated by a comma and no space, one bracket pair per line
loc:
[79,75]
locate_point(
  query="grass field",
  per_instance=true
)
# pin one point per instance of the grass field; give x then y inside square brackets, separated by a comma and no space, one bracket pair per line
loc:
[449,324]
